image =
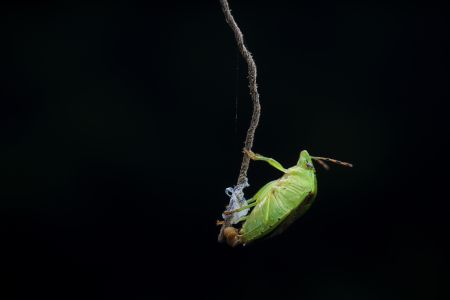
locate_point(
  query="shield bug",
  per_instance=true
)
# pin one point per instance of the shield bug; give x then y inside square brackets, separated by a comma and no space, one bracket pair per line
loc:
[280,202]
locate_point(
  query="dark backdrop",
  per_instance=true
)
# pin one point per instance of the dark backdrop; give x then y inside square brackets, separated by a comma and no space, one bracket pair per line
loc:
[119,136]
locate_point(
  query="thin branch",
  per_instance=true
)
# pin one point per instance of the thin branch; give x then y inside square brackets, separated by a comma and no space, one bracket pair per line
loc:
[253,93]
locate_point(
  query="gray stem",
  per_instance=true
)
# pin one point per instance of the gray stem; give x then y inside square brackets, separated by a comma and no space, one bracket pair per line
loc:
[253,93]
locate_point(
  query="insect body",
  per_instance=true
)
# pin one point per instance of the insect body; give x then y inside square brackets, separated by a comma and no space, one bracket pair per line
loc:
[280,202]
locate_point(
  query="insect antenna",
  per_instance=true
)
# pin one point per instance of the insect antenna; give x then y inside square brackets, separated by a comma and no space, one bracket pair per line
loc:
[321,160]
[323,164]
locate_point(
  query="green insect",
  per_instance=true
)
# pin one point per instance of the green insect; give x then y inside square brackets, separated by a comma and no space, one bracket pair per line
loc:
[280,202]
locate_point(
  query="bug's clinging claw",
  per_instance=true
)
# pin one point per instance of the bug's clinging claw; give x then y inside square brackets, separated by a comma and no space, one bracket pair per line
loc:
[249,153]
[218,223]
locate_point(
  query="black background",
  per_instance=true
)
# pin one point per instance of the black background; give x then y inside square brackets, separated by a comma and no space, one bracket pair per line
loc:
[119,136]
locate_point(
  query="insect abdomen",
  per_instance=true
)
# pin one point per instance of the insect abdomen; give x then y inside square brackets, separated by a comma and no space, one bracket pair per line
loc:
[278,203]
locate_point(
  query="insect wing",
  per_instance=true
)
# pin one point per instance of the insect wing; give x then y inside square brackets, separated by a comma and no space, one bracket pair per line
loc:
[276,202]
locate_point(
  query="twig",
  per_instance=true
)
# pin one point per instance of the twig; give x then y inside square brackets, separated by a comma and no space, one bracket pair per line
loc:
[253,93]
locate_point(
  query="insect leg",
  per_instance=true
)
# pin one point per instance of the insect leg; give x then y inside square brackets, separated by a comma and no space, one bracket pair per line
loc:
[240,209]
[251,200]
[269,160]
[241,219]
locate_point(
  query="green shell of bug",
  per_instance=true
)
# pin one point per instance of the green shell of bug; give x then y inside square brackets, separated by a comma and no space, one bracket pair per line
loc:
[282,201]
